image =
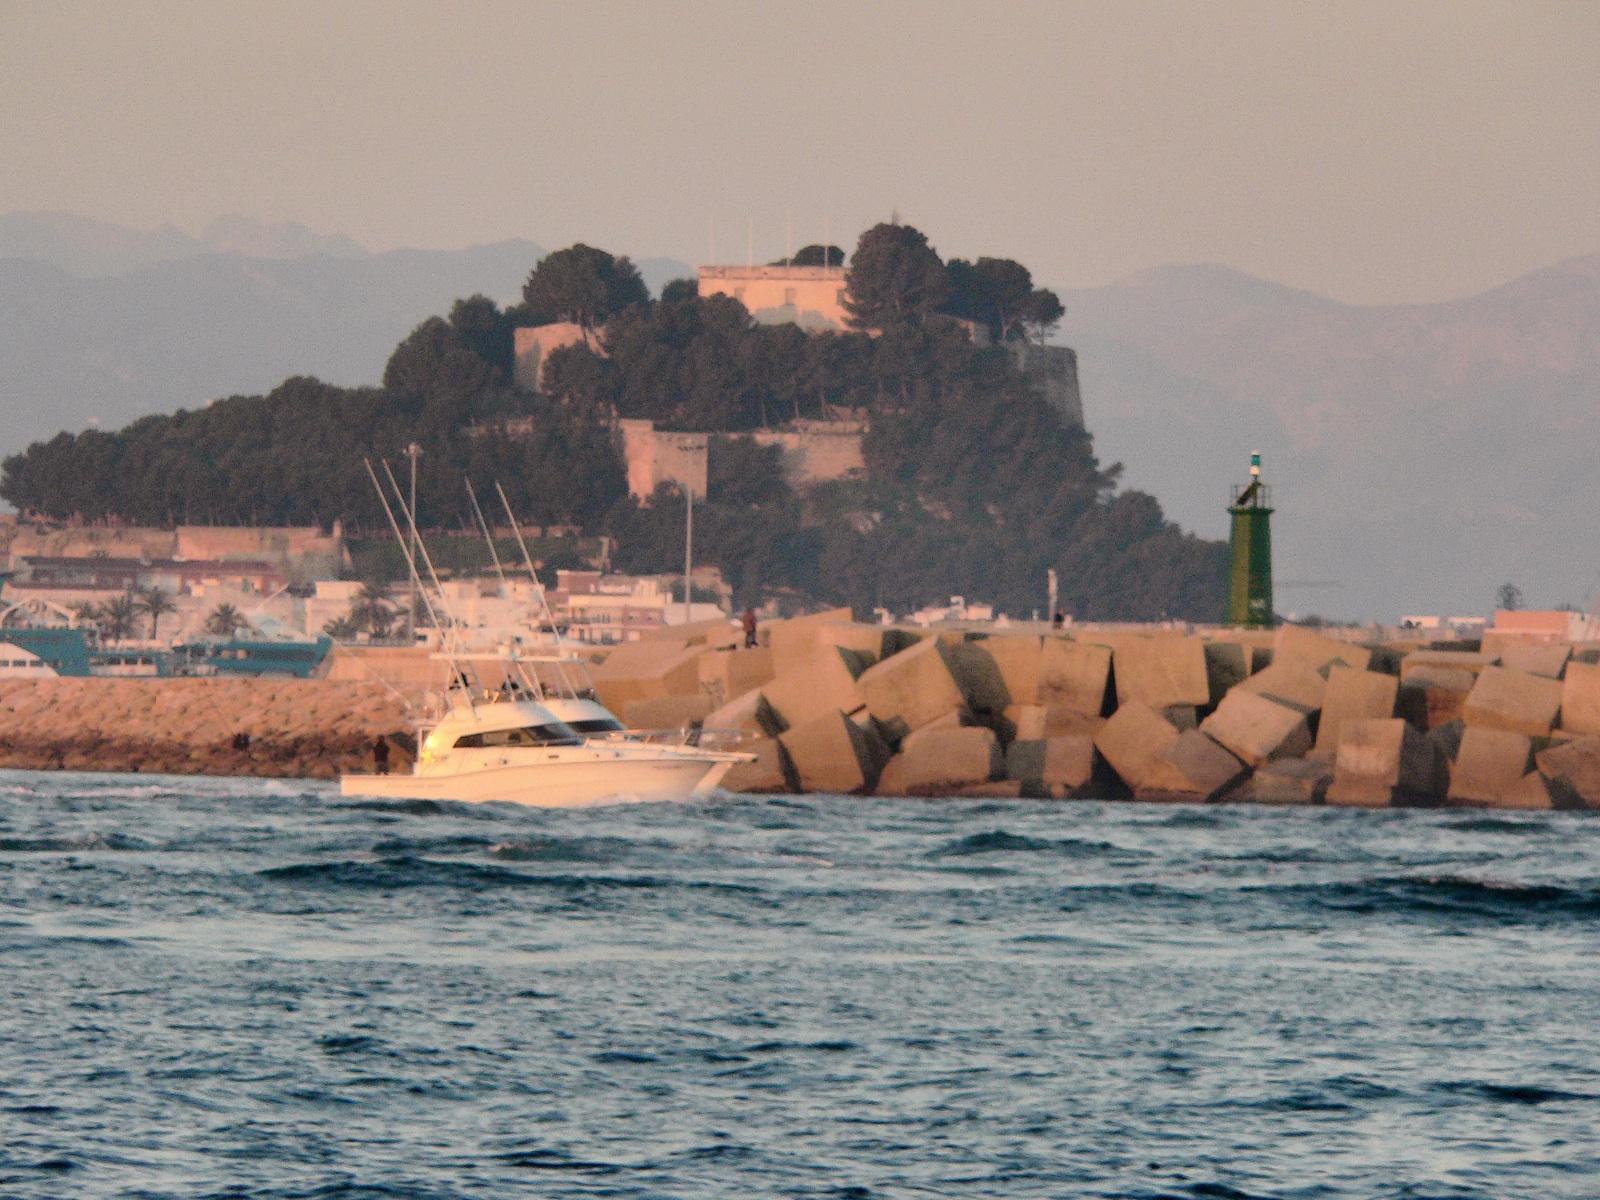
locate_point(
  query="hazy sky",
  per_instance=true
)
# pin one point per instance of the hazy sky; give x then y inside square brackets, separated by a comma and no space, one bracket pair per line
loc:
[1370,151]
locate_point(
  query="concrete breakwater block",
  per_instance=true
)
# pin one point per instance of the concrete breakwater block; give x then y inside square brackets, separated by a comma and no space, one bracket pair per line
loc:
[1034,722]
[1296,645]
[1132,741]
[647,670]
[818,684]
[1352,695]
[1195,768]
[1471,661]
[1434,696]
[1513,701]
[1057,767]
[1547,659]
[748,713]
[939,761]
[1074,676]
[794,640]
[995,673]
[1580,699]
[1383,762]
[771,771]
[1289,684]
[1255,728]
[832,753]
[1488,763]
[725,674]
[1159,670]
[1227,666]
[1573,771]
[668,712]
[1532,791]
[910,689]
[1288,781]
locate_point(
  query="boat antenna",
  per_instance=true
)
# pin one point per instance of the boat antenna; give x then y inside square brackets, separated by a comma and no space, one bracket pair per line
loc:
[538,588]
[487,536]
[411,565]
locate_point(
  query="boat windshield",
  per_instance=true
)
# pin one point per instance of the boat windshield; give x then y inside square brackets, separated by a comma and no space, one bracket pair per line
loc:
[596,725]
[552,734]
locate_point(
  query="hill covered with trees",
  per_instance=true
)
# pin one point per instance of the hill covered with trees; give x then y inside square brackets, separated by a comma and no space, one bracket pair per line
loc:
[973,485]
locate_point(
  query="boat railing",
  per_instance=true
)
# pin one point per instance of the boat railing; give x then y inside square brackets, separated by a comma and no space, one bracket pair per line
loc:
[703,739]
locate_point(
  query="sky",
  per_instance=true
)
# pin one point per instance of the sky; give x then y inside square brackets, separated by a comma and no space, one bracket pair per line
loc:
[1372,152]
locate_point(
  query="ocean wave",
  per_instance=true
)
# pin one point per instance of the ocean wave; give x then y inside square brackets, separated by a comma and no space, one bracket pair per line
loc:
[75,842]
[403,871]
[1447,895]
[999,841]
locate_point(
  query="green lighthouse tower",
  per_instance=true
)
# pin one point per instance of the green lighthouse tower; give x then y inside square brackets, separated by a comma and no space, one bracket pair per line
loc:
[1250,574]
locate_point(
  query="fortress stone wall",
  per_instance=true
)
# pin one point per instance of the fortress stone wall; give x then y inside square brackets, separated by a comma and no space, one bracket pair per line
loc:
[811,452]
[532,344]
[655,457]
[810,297]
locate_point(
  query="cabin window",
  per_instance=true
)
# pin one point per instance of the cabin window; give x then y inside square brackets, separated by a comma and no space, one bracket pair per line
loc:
[553,734]
[596,725]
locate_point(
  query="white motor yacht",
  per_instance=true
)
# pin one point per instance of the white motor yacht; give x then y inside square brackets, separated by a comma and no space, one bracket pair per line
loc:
[502,747]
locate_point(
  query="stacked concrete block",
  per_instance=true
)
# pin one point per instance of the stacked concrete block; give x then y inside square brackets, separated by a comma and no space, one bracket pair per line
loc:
[1032,722]
[770,772]
[1074,676]
[938,761]
[1352,695]
[995,673]
[1580,699]
[1531,791]
[812,687]
[1304,647]
[1058,767]
[747,714]
[666,712]
[1383,762]
[725,674]
[1489,764]
[1573,772]
[1547,659]
[832,753]
[1227,666]
[1132,741]
[1431,696]
[1513,701]
[647,670]
[1160,670]
[1289,683]
[910,689]
[1256,729]
[1288,781]
[1196,769]
[1471,661]
[794,641]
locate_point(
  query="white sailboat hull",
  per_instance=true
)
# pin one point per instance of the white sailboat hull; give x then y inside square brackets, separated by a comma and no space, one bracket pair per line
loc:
[555,783]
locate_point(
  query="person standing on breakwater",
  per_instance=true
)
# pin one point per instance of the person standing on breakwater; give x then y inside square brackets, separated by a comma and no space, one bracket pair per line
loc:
[749,623]
[380,755]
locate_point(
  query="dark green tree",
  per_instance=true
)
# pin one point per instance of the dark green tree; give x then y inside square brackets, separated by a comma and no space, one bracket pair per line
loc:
[894,278]
[583,285]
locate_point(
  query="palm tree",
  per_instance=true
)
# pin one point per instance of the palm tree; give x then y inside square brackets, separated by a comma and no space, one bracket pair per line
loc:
[371,610]
[87,614]
[155,604]
[341,629]
[118,618]
[225,621]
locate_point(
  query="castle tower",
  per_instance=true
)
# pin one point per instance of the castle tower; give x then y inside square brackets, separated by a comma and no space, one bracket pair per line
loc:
[1250,573]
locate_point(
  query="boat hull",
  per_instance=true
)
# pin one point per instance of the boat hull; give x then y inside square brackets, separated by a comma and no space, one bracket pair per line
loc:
[578,784]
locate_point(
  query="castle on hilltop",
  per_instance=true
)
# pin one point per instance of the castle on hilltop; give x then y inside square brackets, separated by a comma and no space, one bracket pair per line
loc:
[812,451]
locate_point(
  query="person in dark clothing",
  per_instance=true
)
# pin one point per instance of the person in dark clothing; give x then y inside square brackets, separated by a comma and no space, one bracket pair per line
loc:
[749,623]
[380,756]
[1059,620]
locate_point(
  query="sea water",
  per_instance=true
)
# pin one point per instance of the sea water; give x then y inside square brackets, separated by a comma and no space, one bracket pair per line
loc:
[244,988]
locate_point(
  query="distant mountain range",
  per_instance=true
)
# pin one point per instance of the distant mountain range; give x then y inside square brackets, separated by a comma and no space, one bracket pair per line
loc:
[1420,455]
[100,324]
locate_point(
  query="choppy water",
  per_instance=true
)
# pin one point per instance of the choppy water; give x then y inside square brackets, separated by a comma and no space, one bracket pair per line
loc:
[253,989]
